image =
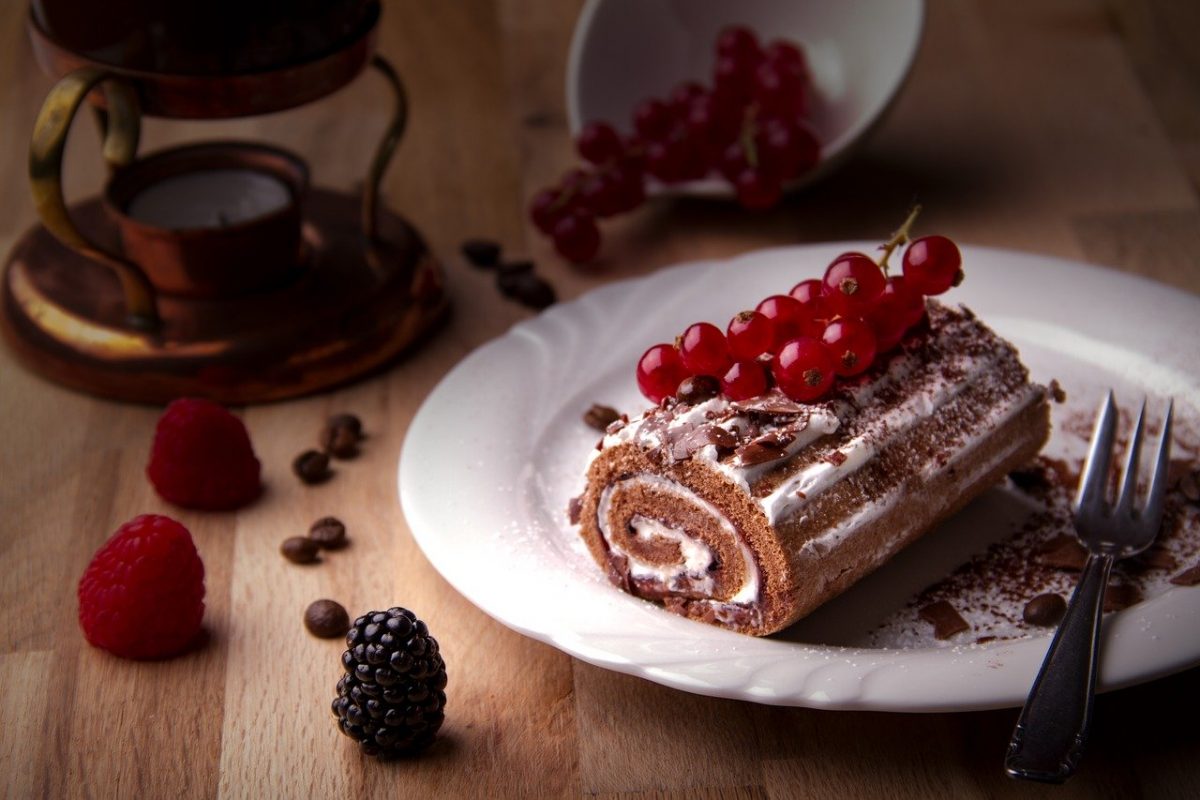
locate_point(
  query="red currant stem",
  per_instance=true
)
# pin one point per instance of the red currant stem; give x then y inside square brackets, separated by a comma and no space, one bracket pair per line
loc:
[898,238]
[564,197]
[749,129]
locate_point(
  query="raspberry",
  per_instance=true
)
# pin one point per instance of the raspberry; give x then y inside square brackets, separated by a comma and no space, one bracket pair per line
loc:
[202,457]
[142,595]
[392,698]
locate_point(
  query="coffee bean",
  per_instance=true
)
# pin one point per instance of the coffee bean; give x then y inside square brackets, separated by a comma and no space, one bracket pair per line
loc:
[328,532]
[326,619]
[526,288]
[600,417]
[311,466]
[299,550]
[510,269]
[482,253]
[697,389]
[347,421]
[1045,609]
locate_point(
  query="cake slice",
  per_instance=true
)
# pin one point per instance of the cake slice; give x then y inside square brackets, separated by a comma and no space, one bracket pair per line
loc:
[750,514]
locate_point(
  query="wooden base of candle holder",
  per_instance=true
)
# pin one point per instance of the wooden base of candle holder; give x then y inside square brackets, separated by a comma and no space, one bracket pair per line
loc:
[346,310]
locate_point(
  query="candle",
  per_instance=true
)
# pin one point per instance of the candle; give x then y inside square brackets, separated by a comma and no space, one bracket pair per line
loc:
[209,199]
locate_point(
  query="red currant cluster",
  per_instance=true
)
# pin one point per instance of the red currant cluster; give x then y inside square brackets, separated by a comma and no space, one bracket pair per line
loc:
[822,329]
[750,128]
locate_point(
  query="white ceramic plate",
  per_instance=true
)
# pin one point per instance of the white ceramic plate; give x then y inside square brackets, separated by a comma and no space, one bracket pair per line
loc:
[859,53]
[498,448]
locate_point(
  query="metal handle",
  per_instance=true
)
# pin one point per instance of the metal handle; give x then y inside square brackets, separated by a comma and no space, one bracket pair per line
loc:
[385,149]
[1052,730]
[121,131]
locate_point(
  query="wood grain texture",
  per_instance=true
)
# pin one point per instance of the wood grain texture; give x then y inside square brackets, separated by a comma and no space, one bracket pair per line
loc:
[1069,127]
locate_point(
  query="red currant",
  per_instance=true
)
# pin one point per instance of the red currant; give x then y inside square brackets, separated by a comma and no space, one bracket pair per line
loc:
[738,41]
[745,379]
[652,119]
[659,372]
[852,284]
[683,95]
[809,294]
[704,351]
[756,190]
[750,334]
[546,208]
[787,318]
[785,55]
[899,309]
[932,264]
[599,143]
[778,91]
[851,343]
[803,369]
[576,237]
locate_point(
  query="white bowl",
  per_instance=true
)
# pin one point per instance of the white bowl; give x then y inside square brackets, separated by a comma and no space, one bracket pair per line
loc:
[624,51]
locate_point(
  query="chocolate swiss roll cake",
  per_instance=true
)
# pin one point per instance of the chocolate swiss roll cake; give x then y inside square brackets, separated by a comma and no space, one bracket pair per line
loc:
[750,514]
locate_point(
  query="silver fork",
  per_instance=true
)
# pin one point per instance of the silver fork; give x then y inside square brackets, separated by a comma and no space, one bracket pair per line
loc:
[1052,730]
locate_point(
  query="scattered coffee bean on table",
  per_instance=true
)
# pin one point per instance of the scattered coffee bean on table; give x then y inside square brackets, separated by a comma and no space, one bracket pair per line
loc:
[328,532]
[311,466]
[299,550]
[482,253]
[341,435]
[600,417]
[326,619]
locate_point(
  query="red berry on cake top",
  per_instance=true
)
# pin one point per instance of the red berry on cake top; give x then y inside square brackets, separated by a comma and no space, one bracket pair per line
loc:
[852,284]
[787,318]
[744,380]
[660,370]
[837,326]
[750,334]
[202,458]
[142,595]
[851,343]
[803,369]
[932,264]
[704,351]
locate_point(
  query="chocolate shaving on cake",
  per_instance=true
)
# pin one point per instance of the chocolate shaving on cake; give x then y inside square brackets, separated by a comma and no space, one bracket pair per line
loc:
[723,439]
[1056,391]
[1157,558]
[1189,577]
[945,619]
[1119,596]
[760,451]
[574,507]
[837,458]
[775,405]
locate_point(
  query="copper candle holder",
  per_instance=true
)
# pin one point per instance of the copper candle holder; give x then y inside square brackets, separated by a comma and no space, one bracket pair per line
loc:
[212,269]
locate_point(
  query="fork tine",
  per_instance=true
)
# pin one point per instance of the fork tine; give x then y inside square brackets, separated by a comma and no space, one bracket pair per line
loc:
[1094,482]
[1158,481]
[1124,504]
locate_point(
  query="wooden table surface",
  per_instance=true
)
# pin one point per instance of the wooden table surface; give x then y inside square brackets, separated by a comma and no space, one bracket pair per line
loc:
[1066,127]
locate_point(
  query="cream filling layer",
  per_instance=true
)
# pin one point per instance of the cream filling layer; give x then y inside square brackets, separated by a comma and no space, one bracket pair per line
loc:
[697,556]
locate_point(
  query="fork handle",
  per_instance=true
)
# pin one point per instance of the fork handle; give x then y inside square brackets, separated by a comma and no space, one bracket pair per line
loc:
[1052,730]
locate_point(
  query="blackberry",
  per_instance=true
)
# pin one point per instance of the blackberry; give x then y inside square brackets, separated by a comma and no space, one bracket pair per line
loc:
[392,698]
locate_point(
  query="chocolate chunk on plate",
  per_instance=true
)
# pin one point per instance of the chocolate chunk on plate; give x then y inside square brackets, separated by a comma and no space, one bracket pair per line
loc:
[1189,577]
[945,619]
